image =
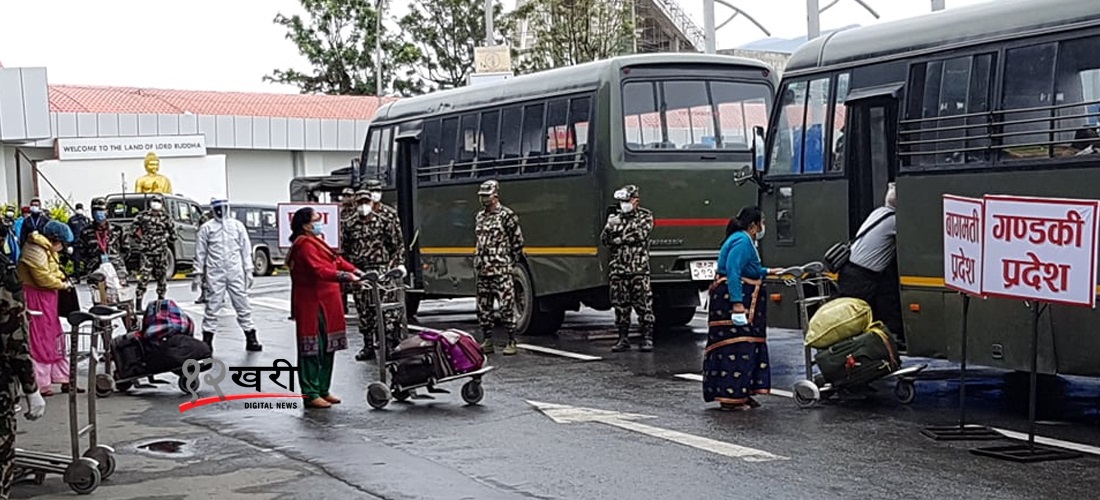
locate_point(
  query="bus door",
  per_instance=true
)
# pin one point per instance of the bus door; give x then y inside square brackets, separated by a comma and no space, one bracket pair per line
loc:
[870,149]
[408,150]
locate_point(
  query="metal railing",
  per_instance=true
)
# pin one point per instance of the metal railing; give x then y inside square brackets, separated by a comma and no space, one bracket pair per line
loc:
[683,23]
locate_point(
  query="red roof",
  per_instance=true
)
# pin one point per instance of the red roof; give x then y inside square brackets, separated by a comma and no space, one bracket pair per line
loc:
[92,99]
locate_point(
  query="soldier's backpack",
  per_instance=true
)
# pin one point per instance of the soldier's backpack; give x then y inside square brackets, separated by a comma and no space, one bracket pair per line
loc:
[861,359]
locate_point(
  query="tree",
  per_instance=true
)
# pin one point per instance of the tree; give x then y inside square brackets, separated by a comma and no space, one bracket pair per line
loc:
[338,39]
[446,32]
[568,32]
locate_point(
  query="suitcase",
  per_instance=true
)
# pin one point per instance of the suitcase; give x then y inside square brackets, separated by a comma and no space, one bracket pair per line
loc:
[418,359]
[128,355]
[171,352]
[463,353]
[859,360]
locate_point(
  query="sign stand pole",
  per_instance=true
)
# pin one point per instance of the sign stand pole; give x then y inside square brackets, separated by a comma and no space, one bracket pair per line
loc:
[1029,453]
[962,432]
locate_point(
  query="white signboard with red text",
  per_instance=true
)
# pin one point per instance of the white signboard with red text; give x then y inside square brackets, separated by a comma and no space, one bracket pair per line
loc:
[330,217]
[1019,247]
[962,243]
[1041,249]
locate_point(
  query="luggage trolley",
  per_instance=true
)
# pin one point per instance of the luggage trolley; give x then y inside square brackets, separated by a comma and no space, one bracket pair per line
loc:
[124,300]
[379,393]
[812,389]
[83,473]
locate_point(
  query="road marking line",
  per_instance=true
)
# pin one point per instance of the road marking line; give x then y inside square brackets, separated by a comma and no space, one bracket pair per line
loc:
[566,354]
[565,414]
[1069,445]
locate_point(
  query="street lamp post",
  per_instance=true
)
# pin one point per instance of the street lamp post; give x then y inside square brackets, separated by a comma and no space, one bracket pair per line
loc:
[708,26]
[378,50]
[489,23]
[814,10]
[939,5]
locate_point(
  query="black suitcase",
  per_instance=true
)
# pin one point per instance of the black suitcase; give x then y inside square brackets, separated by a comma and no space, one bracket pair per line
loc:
[171,352]
[128,355]
[859,360]
[418,360]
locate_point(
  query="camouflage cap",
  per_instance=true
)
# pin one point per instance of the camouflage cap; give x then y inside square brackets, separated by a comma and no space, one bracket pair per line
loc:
[488,188]
[626,192]
[373,185]
[362,195]
[156,197]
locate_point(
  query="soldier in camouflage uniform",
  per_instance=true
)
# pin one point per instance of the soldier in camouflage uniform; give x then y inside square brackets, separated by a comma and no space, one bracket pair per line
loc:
[16,371]
[154,234]
[347,216]
[102,240]
[626,234]
[373,242]
[206,216]
[499,249]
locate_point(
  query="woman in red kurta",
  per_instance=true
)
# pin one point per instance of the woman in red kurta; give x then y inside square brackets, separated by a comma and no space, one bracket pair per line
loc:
[316,305]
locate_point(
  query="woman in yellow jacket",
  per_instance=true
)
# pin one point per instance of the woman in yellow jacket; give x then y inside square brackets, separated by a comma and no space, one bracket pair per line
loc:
[40,272]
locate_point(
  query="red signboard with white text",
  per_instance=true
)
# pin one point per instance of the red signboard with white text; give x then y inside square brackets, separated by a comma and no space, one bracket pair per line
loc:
[962,243]
[1041,249]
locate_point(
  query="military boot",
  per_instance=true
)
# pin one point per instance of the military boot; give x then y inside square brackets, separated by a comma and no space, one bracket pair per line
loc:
[208,339]
[251,344]
[647,340]
[367,352]
[487,344]
[623,344]
[510,348]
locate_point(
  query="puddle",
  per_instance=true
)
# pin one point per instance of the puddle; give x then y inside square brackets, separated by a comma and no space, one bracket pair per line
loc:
[165,447]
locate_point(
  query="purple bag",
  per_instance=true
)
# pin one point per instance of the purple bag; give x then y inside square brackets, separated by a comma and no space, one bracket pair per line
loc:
[462,349]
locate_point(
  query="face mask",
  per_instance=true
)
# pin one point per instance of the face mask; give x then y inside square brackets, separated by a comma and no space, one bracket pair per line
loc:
[80,211]
[36,209]
[376,196]
[485,201]
[760,234]
[365,209]
[318,228]
[10,215]
[156,205]
[740,319]
[99,215]
[626,207]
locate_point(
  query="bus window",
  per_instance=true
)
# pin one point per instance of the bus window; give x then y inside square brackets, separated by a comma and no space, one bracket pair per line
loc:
[692,114]
[371,168]
[533,132]
[817,110]
[785,158]
[1077,87]
[941,93]
[385,159]
[511,121]
[978,105]
[467,145]
[840,116]
[1028,83]
[448,142]
[557,137]
[488,148]
[954,91]
[579,109]
[429,144]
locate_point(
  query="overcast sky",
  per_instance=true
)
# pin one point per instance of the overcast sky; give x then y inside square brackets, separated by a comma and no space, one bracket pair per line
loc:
[232,44]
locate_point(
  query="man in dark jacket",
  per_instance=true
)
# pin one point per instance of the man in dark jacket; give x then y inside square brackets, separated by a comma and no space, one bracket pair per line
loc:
[35,222]
[77,223]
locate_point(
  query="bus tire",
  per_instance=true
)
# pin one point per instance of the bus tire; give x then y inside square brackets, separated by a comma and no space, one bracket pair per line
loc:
[674,316]
[530,318]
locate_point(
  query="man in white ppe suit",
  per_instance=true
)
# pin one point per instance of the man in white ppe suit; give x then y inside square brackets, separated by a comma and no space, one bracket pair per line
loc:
[224,255]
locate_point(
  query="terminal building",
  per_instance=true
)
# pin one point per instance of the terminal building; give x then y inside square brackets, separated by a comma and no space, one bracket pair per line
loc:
[74,142]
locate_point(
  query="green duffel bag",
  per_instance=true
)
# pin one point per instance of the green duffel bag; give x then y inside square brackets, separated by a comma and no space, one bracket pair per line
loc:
[859,360]
[836,320]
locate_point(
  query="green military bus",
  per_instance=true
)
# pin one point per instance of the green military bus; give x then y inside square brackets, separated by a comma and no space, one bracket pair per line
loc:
[560,142]
[999,98]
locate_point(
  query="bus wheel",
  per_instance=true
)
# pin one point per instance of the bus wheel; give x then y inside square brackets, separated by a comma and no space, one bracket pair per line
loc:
[674,316]
[530,319]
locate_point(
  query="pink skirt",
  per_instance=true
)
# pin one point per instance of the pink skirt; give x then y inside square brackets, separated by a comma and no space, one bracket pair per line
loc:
[47,339]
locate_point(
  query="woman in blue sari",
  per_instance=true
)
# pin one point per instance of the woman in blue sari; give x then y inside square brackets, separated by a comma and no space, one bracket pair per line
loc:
[735,363]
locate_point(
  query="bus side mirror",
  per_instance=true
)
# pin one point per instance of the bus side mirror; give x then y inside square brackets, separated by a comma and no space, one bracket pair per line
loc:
[755,172]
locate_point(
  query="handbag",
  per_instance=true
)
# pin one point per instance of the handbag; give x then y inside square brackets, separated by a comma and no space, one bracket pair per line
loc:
[67,302]
[838,254]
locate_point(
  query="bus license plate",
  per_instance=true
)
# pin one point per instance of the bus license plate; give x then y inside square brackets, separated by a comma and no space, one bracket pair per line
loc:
[703,270]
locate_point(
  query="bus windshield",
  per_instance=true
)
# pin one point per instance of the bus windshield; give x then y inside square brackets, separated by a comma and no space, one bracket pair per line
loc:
[693,114]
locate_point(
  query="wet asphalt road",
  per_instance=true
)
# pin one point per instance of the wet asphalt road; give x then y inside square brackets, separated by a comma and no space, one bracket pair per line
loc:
[507,448]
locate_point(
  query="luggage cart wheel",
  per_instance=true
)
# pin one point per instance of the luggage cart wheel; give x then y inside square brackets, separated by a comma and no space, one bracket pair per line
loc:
[106,458]
[806,394]
[83,476]
[103,385]
[195,385]
[905,391]
[472,392]
[378,395]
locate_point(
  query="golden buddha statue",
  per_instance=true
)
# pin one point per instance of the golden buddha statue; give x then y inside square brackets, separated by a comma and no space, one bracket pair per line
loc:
[152,182]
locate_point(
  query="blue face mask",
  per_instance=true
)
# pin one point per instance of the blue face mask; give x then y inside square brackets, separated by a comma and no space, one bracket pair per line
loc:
[99,215]
[318,228]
